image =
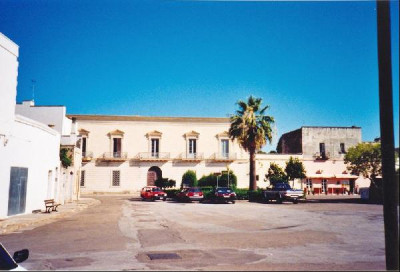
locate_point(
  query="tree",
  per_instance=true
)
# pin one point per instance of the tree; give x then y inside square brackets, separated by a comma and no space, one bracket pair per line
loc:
[165,183]
[252,129]
[189,179]
[295,169]
[65,157]
[275,174]
[224,180]
[366,159]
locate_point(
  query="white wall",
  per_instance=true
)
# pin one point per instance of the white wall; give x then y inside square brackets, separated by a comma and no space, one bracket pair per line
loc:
[8,85]
[24,142]
[48,115]
[36,147]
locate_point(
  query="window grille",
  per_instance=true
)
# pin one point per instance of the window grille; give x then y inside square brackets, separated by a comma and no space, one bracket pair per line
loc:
[116,178]
[83,178]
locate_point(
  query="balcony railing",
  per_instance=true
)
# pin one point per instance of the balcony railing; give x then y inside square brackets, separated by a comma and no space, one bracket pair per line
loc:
[322,155]
[87,156]
[224,156]
[114,156]
[191,156]
[154,156]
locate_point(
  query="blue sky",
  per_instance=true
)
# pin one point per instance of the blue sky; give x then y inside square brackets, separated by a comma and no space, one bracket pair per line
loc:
[314,63]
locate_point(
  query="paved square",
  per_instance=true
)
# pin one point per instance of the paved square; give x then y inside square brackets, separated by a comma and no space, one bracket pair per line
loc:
[121,232]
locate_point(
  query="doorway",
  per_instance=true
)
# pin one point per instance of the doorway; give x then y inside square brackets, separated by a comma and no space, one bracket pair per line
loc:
[17,192]
[324,186]
[153,174]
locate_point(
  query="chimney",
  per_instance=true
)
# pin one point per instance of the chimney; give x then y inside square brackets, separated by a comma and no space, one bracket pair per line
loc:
[74,129]
[28,103]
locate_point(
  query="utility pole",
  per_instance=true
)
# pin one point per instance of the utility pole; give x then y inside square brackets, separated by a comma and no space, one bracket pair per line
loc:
[390,184]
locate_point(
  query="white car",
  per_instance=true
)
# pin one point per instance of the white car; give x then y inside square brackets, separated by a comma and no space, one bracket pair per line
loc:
[11,263]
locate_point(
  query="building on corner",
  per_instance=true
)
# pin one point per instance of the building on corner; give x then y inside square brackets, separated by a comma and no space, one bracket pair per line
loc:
[323,150]
[29,150]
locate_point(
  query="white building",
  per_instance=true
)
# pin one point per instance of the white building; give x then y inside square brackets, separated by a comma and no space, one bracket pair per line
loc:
[122,154]
[55,117]
[29,150]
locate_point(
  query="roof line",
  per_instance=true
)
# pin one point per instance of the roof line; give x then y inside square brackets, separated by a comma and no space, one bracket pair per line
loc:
[329,127]
[147,118]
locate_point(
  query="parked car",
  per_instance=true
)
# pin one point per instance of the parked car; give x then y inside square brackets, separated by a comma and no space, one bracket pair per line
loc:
[222,194]
[190,194]
[11,263]
[282,192]
[152,193]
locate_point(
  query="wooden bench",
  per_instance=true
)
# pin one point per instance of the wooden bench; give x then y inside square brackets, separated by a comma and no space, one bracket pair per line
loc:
[50,205]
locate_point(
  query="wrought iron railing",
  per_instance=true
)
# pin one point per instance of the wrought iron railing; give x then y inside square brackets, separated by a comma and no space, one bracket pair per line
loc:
[154,155]
[192,156]
[322,155]
[87,154]
[225,156]
[115,155]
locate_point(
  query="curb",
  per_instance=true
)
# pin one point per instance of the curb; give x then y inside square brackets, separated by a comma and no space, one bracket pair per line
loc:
[24,221]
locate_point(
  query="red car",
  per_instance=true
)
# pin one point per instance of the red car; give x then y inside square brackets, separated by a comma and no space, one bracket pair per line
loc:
[190,194]
[153,193]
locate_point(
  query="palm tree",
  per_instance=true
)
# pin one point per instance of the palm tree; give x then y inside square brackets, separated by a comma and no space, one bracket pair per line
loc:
[252,129]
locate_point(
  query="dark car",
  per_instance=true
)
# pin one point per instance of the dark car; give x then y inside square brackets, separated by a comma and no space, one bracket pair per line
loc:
[190,194]
[222,194]
[282,192]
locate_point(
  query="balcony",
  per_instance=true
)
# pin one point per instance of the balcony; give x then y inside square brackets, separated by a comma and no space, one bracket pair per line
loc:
[321,155]
[114,156]
[191,157]
[154,156]
[87,156]
[224,157]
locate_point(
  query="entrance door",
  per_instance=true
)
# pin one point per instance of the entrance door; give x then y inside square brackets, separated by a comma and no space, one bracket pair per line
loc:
[153,174]
[17,192]
[151,177]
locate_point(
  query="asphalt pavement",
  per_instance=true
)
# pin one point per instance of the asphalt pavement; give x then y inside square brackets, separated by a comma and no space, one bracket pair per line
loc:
[125,233]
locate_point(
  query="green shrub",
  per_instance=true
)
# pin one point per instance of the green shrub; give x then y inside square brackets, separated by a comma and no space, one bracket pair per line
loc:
[242,194]
[189,179]
[255,196]
[171,193]
[206,188]
[211,180]
[165,183]
[207,181]
[65,157]
[223,180]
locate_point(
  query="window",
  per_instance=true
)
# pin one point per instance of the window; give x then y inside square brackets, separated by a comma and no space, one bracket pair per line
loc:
[225,148]
[155,147]
[322,149]
[117,147]
[257,177]
[82,178]
[192,148]
[84,143]
[309,183]
[116,178]
[324,186]
[342,149]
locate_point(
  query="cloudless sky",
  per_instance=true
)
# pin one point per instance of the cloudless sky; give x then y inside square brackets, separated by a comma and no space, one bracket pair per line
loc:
[314,63]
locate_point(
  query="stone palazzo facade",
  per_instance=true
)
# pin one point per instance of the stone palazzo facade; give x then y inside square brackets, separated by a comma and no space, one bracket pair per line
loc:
[122,154]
